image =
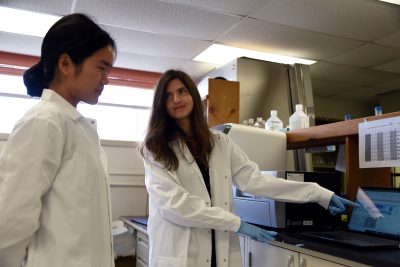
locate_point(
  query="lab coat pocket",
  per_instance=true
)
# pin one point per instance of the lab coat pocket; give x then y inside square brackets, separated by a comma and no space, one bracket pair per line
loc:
[174,262]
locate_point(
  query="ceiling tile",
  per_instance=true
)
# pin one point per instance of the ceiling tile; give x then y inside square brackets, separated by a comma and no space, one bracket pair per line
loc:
[236,7]
[367,55]
[392,66]
[147,63]
[285,40]
[20,44]
[330,89]
[151,44]
[54,7]
[351,75]
[390,40]
[159,17]
[355,19]
[197,69]
[389,85]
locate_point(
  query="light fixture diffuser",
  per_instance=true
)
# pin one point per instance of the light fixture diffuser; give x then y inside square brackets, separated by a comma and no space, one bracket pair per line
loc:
[222,54]
[25,22]
[396,2]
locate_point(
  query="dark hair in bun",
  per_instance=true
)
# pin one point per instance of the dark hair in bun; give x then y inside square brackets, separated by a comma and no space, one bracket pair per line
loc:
[76,35]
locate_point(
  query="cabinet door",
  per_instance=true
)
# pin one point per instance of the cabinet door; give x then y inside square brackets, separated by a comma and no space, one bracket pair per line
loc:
[142,249]
[242,240]
[140,263]
[310,261]
[266,255]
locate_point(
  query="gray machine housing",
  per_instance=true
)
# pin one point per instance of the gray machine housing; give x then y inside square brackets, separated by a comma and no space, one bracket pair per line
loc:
[275,214]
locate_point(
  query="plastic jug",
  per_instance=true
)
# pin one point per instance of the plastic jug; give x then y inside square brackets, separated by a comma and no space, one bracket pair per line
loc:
[274,123]
[299,119]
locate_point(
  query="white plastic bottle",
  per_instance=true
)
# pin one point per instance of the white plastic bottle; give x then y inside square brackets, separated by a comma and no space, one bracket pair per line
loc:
[299,119]
[274,123]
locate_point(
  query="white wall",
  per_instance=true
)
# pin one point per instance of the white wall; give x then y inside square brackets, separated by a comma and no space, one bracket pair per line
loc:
[128,192]
[336,109]
[390,102]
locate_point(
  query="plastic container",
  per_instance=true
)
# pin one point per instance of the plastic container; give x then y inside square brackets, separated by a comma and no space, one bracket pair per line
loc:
[347,117]
[274,123]
[245,122]
[378,110]
[251,122]
[259,123]
[299,119]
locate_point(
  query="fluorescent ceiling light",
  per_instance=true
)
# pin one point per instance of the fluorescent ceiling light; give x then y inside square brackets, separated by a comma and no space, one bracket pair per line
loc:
[222,54]
[396,2]
[25,22]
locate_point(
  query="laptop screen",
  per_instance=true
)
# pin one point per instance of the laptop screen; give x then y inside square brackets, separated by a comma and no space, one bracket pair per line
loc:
[379,212]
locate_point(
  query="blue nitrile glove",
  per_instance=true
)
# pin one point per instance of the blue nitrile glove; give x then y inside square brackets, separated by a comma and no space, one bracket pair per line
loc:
[337,204]
[256,233]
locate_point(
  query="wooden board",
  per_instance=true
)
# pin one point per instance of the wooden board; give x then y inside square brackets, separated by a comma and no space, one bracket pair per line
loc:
[222,102]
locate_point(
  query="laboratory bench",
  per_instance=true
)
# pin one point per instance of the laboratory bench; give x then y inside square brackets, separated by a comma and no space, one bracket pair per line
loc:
[138,227]
[288,248]
[345,255]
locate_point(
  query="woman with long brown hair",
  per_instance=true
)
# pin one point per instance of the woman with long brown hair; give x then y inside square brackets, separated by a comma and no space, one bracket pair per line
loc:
[190,171]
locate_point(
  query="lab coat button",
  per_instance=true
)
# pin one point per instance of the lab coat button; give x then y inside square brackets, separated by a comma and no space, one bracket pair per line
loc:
[226,203]
[226,231]
[224,260]
[226,177]
[209,231]
[207,260]
[208,203]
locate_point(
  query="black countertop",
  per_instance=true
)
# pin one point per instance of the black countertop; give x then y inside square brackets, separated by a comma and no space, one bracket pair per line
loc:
[374,257]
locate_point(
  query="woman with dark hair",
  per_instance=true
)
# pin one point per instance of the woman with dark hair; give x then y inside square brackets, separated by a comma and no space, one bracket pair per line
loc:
[54,200]
[190,171]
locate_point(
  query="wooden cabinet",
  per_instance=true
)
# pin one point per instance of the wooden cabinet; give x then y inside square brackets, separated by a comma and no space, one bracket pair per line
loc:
[345,132]
[222,102]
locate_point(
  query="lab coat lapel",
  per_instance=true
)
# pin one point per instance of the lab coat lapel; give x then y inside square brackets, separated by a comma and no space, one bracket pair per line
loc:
[191,163]
[91,125]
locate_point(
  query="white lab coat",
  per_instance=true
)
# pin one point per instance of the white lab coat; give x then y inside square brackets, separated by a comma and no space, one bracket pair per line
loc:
[181,215]
[54,199]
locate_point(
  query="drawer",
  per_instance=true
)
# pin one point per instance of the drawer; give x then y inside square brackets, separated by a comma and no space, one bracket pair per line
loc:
[140,263]
[142,247]
[142,237]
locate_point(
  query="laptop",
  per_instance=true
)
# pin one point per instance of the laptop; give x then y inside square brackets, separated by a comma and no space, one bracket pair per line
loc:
[374,224]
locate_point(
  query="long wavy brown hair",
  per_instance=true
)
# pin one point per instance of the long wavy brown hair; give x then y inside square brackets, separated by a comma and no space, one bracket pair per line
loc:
[162,129]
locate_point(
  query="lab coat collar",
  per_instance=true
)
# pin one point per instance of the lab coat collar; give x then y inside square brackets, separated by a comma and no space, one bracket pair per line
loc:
[64,105]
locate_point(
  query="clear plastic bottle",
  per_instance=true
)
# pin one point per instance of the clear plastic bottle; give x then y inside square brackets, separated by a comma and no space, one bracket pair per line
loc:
[274,123]
[378,110]
[251,122]
[245,122]
[299,119]
[259,123]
